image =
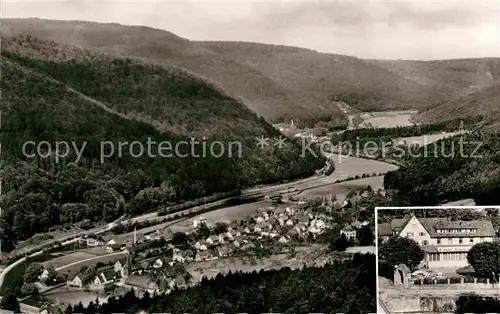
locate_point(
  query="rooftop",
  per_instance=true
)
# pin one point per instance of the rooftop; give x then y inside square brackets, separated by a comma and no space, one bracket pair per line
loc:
[483,228]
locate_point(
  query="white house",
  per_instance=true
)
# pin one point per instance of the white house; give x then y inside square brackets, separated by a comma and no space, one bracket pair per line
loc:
[76,282]
[158,263]
[44,276]
[318,223]
[197,245]
[283,240]
[349,233]
[104,278]
[120,267]
[177,257]
[93,242]
[314,230]
[445,242]
[199,222]
[220,238]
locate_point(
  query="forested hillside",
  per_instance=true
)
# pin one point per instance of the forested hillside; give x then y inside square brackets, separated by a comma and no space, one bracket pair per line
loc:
[451,169]
[341,287]
[483,104]
[259,92]
[324,77]
[60,93]
[472,86]
[282,83]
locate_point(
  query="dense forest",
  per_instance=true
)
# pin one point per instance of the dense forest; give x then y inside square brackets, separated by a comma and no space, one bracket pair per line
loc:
[341,287]
[85,99]
[466,166]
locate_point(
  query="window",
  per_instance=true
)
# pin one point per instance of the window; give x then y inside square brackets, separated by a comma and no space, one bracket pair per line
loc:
[422,234]
[471,240]
[409,234]
[450,240]
[460,240]
[438,241]
[434,257]
[426,242]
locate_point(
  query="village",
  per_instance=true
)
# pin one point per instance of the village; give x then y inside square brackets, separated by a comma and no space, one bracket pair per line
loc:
[161,260]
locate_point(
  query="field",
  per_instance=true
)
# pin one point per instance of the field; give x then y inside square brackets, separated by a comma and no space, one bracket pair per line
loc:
[425,139]
[340,190]
[347,166]
[210,269]
[383,119]
[464,202]
[63,296]
[72,264]
[68,259]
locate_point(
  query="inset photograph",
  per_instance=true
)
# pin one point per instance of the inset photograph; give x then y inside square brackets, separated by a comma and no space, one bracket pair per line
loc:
[438,259]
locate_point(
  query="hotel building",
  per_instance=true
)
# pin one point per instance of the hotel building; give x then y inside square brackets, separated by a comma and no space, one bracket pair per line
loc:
[444,241]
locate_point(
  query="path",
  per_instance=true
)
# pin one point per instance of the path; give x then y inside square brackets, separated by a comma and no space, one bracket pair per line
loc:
[90,259]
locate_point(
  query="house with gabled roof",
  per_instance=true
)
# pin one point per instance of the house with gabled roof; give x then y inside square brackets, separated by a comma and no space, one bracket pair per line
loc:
[349,232]
[445,242]
[206,255]
[79,280]
[141,283]
[105,277]
[223,251]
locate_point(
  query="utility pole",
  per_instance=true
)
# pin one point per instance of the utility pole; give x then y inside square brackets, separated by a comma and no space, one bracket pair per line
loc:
[135,235]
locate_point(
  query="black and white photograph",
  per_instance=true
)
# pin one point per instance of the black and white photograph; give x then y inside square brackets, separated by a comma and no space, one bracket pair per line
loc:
[229,156]
[438,259]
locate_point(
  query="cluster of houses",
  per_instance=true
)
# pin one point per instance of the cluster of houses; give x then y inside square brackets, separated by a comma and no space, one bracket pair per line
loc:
[282,224]
[100,278]
[114,243]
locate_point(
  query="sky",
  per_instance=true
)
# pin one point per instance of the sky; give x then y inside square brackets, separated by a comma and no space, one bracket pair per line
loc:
[397,29]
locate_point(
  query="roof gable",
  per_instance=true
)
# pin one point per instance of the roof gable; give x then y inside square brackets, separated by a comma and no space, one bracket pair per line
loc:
[484,228]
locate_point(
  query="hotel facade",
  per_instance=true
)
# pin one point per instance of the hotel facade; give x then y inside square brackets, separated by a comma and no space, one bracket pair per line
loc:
[445,242]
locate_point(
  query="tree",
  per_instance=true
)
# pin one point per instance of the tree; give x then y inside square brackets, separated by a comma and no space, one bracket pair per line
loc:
[180,239]
[9,302]
[29,289]
[365,236]
[485,259]
[399,250]
[32,273]
[340,244]
[53,276]
[472,303]
[220,228]
[203,231]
